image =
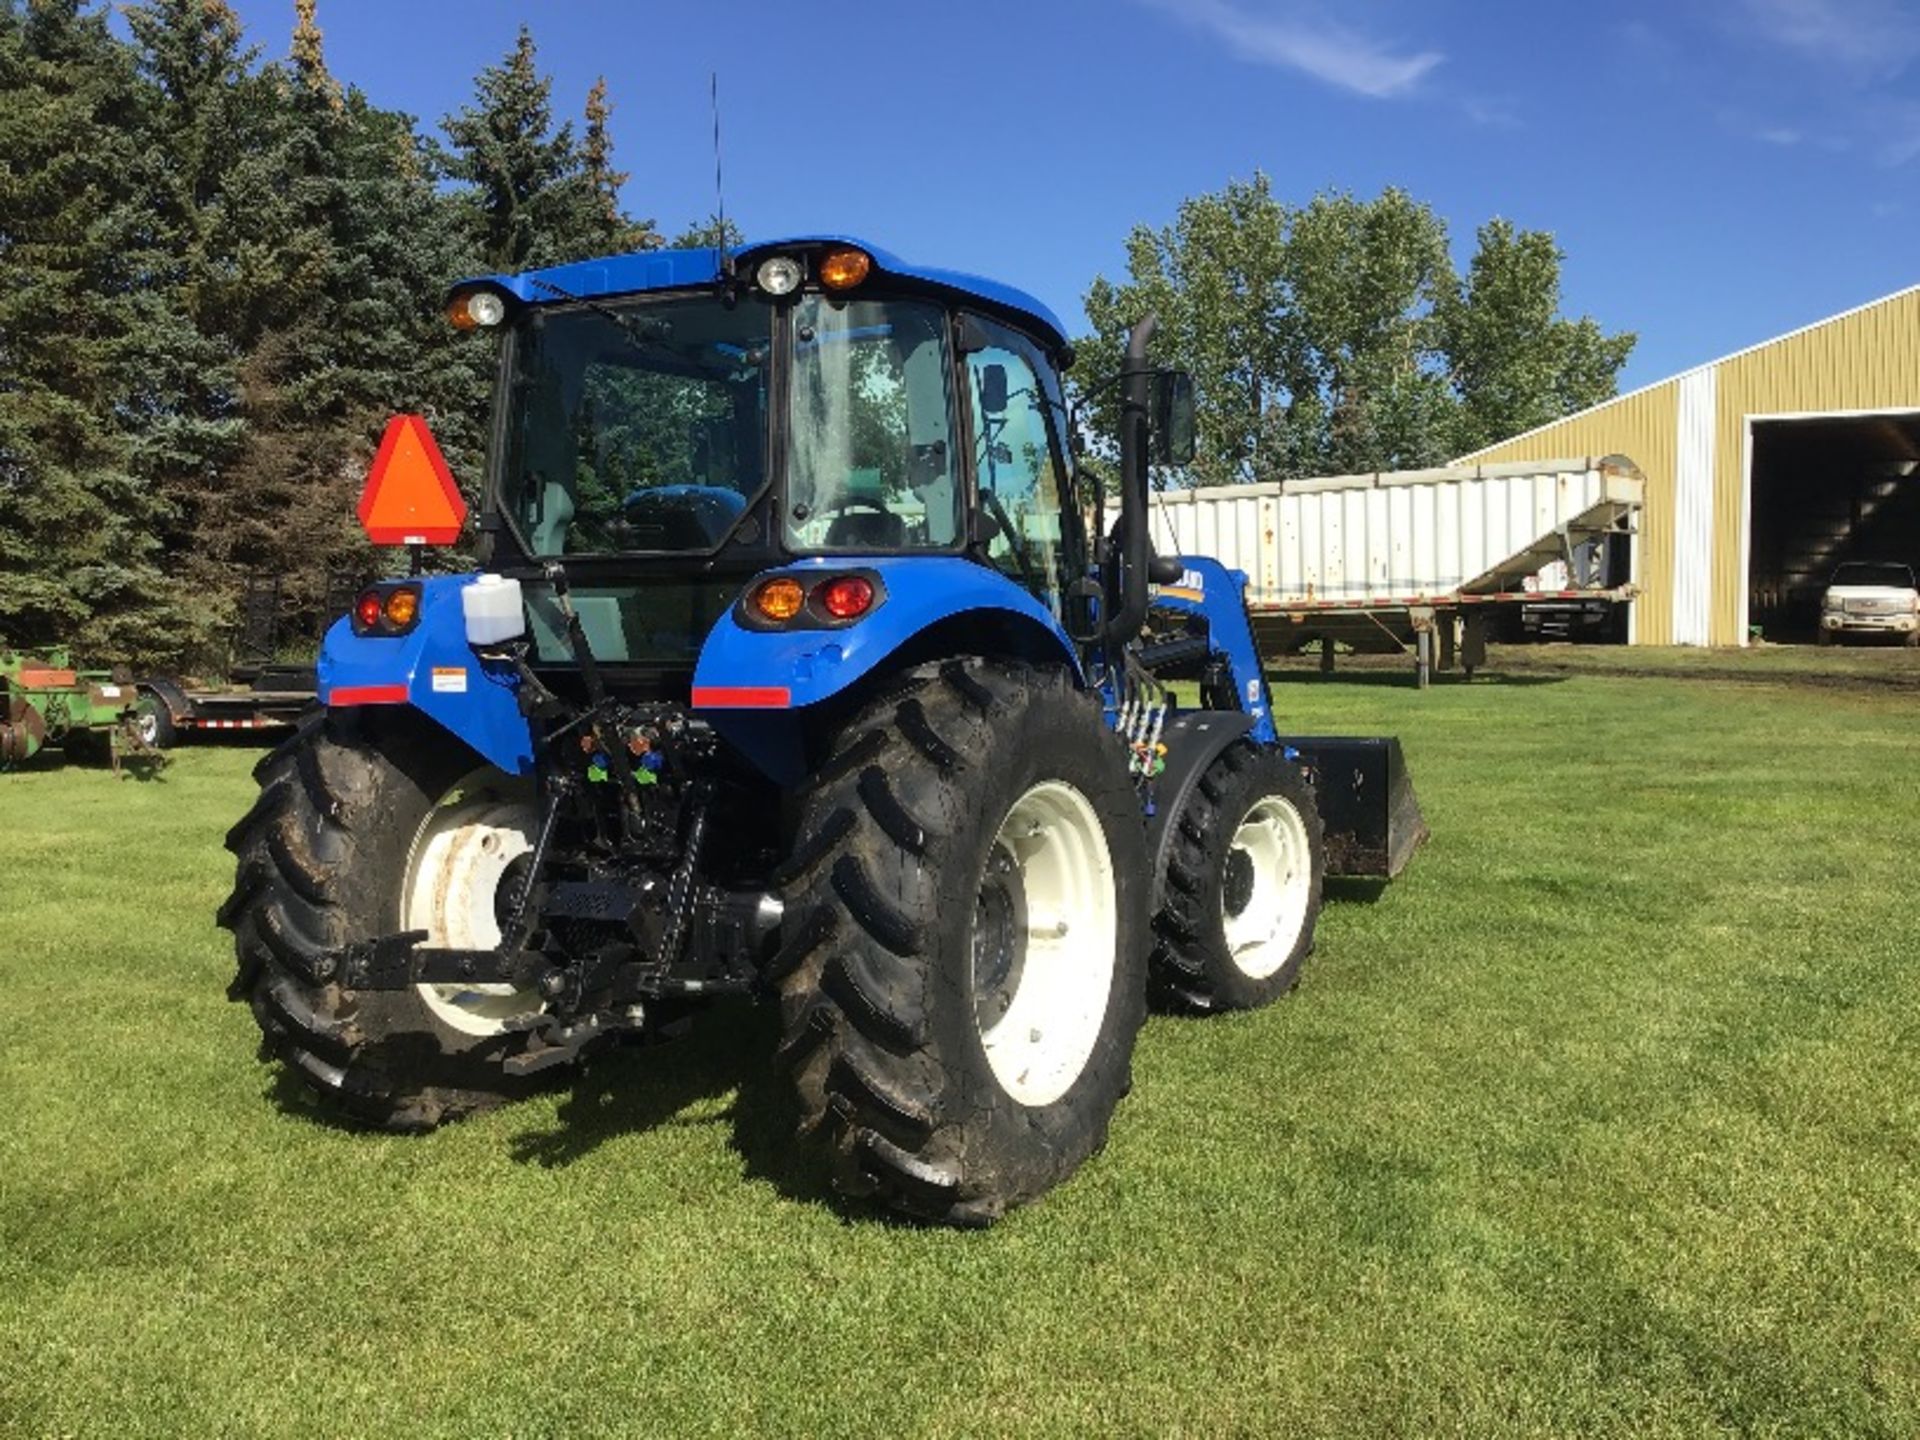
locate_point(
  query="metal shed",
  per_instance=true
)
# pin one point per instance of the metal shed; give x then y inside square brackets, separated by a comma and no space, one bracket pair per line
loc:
[1764,469]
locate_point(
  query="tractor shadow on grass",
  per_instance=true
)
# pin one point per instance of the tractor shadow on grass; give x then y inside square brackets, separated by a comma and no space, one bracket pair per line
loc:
[638,1088]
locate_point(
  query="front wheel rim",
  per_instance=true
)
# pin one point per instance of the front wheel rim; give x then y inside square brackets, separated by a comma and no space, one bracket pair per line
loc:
[466,847]
[1043,973]
[1270,866]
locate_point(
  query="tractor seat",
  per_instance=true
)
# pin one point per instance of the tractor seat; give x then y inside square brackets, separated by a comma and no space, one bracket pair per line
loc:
[866,530]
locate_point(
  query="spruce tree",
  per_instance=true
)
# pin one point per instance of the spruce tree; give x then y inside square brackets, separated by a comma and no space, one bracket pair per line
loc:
[360,336]
[79,557]
[616,230]
[218,250]
[528,198]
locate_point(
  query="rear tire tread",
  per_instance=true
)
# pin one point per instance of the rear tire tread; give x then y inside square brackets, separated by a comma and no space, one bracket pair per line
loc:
[863,1034]
[323,829]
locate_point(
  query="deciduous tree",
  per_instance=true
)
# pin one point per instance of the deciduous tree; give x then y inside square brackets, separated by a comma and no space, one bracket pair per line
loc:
[1337,337]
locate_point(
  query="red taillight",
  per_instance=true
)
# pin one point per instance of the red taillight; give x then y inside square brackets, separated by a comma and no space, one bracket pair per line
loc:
[368,609]
[847,598]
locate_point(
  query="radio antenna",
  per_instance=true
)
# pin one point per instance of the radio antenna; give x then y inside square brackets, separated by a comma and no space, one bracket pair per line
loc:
[721,259]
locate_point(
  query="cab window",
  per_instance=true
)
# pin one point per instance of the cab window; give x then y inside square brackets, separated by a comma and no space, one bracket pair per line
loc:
[871,465]
[1018,460]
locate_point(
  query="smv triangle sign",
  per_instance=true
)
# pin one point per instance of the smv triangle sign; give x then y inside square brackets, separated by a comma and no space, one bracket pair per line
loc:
[410,497]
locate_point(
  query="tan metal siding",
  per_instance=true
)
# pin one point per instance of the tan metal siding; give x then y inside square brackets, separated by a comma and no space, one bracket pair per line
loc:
[1866,360]
[1642,426]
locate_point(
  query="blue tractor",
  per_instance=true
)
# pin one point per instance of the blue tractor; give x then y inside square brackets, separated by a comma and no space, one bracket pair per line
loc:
[800,665]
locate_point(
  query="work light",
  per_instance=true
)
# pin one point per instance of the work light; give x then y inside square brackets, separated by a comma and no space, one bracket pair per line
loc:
[476,310]
[779,276]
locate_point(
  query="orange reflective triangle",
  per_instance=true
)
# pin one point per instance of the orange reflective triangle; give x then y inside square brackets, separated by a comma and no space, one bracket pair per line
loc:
[410,497]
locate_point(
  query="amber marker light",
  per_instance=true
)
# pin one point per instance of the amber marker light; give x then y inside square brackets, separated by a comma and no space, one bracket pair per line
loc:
[847,598]
[844,269]
[779,599]
[402,606]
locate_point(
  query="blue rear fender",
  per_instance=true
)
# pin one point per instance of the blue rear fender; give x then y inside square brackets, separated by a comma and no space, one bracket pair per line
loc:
[432,669]
[749,680]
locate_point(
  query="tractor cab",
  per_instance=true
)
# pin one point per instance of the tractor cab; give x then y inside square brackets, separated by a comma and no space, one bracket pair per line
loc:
[671,426]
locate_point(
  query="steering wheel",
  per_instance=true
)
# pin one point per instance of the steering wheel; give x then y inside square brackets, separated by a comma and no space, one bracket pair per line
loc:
[859,502]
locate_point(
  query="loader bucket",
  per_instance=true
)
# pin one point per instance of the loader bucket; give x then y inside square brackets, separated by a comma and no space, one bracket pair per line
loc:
[1373,823]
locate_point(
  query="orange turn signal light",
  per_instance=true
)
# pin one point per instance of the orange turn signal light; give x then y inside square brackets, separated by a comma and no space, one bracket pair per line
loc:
[779,599]
[402,606]
[844,269]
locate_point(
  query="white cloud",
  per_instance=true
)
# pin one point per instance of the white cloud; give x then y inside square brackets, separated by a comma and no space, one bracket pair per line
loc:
[1491,111]
[1294,40]
[1779,135]
[1872,38]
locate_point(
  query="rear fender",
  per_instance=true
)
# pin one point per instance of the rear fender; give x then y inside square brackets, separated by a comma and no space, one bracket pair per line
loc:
[432,669]
[750,679]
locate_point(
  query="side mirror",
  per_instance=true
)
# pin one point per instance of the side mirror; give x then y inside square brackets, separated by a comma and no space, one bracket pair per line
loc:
[993,389]
[1172,440]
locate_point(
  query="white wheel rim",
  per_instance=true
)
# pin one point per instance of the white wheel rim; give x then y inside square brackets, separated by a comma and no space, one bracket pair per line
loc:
[147,726]
[454,868]
[1049,1011]
[1263,931]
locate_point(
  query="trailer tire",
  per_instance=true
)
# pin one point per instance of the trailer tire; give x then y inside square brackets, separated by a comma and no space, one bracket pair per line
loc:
[325,857]
[963,966]
[153,722]
[1242,890]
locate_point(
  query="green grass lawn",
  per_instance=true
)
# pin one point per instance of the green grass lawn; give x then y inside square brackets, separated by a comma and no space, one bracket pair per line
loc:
[1604,1119]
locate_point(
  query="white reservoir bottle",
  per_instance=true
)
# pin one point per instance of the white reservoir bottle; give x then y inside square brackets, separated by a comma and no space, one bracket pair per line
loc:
[493,610]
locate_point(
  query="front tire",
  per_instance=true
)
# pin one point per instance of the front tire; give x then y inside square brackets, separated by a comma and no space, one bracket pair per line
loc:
[1242,890]
[964,967]
[359,833]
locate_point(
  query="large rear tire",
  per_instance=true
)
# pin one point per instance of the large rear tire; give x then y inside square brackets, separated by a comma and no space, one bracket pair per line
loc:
[1242,889]
[963,970]
[360,832]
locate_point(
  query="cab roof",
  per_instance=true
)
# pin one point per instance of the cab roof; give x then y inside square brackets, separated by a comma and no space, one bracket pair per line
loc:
[645,270]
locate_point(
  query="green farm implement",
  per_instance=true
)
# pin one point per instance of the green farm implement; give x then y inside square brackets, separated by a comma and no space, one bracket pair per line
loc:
[45,701]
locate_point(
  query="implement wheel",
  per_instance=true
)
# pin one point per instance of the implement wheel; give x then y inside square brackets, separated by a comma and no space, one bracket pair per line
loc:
[963,969]
[360,832]
[153,722]
[1242,888]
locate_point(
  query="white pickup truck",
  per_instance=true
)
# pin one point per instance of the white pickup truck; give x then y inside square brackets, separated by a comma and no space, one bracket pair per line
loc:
[1871,598]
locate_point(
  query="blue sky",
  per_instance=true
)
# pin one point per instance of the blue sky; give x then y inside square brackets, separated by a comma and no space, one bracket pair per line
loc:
[1717,171]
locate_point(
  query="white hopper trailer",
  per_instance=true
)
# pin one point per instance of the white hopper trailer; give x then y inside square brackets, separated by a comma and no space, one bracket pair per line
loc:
[1412,558]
